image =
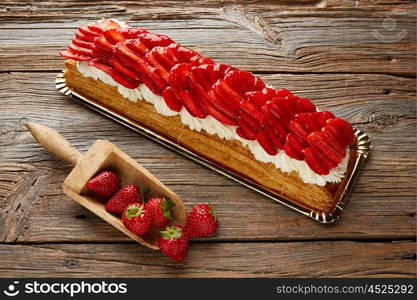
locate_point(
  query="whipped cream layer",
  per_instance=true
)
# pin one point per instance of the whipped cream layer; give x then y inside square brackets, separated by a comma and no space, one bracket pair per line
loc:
[281,160]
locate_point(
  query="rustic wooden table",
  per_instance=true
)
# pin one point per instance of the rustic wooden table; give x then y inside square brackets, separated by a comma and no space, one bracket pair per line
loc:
[356,58]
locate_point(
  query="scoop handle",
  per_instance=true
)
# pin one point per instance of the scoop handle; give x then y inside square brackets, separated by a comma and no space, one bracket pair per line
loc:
[55,143]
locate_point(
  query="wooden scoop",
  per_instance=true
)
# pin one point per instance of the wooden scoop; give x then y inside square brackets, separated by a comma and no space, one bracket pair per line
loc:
[103,155]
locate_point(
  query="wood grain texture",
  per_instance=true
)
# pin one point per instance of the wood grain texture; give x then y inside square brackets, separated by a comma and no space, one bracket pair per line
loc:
[290,39]
[319,259]
[356,58]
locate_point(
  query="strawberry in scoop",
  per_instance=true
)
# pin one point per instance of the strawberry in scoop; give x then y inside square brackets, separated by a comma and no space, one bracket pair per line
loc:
[201,221]
[127,195]
[160,209]
[104,184]
[136,218]
[173,242]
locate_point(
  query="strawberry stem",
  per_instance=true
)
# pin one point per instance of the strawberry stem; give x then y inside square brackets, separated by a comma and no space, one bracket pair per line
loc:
[134,210]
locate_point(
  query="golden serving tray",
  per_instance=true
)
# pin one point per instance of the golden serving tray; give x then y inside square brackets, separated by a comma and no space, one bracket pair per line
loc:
[364,147]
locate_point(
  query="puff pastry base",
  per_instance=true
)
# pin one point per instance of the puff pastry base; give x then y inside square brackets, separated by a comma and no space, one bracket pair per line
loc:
[227,153]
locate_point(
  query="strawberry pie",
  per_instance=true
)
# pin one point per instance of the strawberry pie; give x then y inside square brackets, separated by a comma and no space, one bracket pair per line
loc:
[269,136]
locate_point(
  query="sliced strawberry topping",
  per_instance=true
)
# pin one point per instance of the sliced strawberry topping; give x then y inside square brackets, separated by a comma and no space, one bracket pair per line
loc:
[257,98]
[103,24]
[275,123]
[75,56]
[117,76]
[318,141]
[84,37]
[119,66]
[277,119]
[250,108]
[218,115]
[293,147]
[80,50]
[180,86]
[246,127]
[341,130]
[305,105]
[314,162]
[83,44]
[171,100]
[266,143]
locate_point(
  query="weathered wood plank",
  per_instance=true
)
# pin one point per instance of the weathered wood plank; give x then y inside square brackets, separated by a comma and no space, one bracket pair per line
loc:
[318,259]
[278,38]
[382,203]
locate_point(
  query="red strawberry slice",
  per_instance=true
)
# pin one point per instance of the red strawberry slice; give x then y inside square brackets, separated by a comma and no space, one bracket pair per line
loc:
[242,134]
[249,82]
[137,46]
[195,89]
[221,106]
[227,95]
[341,130]
[250,108]
[318,141]
[115,35]
[269,93]
[278,113]
[177,78]
[284,108]
[307,119]
[254,124]
[184,54]
[283,93]
[314,162]
[117,76]
[102,47]
[264,140]
[275,123]
[299,130]
[257,98]
[83,44]
[179,84]
[249,131]
[74,56]
[83,37]
[103,24]
[119,66]
[171,100]
[88,32]
[320,118]
[219,116]
[200,74]
[80,50]
[192,106]
[274,137]
[143,68]
[293,147]
[197,60]
[146,41]
[305,105]
[153,58]
[333,141]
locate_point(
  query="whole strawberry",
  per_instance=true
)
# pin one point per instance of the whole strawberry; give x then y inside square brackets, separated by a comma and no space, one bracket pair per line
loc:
[136,219]
[104,184]
[201,221]
[160,209]
[126,195]
[173,242]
